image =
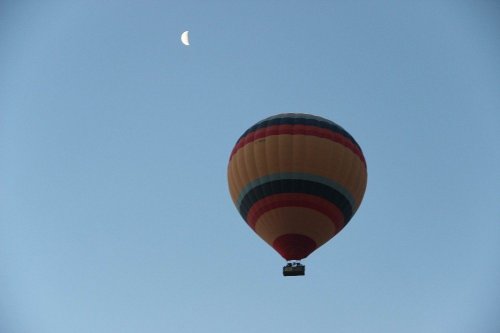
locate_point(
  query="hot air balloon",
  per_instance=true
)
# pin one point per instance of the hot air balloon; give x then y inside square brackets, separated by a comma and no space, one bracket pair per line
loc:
[297,180]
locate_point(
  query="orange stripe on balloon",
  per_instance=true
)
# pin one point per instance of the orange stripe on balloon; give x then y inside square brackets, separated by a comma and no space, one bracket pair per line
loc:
[295,220]
[298,129]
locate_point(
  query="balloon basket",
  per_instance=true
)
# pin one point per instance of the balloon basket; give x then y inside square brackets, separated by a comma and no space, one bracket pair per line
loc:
[294,269]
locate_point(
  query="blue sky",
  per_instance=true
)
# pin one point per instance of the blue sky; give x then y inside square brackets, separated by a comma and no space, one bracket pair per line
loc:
[114,142]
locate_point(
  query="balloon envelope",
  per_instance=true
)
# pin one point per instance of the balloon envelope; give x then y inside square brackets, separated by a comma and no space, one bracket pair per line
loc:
[296,179]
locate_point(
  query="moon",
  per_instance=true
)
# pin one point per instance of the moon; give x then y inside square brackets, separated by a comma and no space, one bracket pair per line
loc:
[185,38]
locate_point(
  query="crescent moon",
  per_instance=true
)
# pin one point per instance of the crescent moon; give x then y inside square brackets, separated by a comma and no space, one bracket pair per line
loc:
[185,38]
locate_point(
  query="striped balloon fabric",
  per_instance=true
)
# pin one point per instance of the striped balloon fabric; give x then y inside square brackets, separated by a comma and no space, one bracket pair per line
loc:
[296,179]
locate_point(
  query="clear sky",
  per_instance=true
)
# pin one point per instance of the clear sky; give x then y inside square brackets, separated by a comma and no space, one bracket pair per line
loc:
[114,140]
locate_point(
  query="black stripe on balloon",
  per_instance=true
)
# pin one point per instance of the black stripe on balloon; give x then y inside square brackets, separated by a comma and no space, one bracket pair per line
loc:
[300,121]
[296,186]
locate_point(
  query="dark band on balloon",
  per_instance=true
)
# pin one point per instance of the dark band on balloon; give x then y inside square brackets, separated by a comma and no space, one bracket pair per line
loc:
[287,120]
[300,120]
[296,186]
[298,176]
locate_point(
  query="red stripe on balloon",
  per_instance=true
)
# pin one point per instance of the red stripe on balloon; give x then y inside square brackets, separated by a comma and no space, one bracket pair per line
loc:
[294,246]
[295,200]
[298,129]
